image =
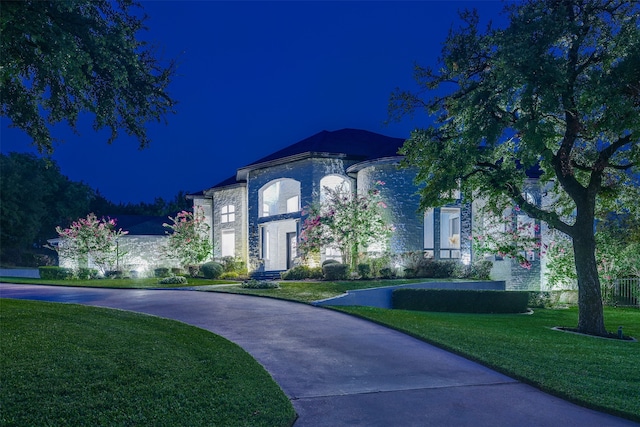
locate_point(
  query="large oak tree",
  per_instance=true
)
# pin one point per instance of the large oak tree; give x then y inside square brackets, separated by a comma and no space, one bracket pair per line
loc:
[62,58]
[558,89]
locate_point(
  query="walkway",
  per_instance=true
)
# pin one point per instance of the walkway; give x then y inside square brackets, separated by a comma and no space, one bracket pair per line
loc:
[342,371]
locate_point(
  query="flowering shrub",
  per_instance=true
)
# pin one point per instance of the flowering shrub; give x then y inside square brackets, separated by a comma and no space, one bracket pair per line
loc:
[189,238]
[351,223]
[508,235]
[92,239]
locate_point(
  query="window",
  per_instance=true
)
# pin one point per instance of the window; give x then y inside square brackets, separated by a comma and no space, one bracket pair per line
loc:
[293,204]
[228,214]
[333,182]
[228,243]
[445,242]
[279,197]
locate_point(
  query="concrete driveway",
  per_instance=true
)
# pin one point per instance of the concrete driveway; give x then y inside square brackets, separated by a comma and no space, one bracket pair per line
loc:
[342,371]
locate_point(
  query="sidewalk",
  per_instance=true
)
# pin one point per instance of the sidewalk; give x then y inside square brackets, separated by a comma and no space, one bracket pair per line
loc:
[339,370]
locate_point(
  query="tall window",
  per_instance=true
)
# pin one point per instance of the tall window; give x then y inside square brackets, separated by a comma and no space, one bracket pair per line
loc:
[228,213]
[228,243]
[442,232]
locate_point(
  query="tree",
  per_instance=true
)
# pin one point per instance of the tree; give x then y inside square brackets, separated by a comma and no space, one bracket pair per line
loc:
[352,223]
[35,198]
[189,237]
[91,239]
[63,58]
[558,89]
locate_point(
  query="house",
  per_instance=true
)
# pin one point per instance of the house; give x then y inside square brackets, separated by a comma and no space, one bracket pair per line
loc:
[257,214]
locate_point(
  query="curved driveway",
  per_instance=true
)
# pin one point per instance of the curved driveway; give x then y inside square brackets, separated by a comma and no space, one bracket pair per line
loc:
[343,371]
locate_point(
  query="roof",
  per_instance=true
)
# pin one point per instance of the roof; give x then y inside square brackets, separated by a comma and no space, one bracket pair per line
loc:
[355,143]
[142,225]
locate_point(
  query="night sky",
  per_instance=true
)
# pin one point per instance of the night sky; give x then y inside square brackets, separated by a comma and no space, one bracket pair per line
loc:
[254,77]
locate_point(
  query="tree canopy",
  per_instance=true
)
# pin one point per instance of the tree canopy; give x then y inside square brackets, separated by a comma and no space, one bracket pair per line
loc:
[64,58]
[556,92]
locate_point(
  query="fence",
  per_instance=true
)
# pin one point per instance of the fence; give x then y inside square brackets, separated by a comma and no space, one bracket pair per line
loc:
[623,292]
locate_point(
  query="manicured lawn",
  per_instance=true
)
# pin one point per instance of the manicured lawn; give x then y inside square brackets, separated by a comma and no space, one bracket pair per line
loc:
[310,291]
[594,372]
[151,283]
[66,364]
[598,373]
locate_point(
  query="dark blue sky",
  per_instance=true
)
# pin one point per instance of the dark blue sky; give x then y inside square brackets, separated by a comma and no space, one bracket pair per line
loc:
[254,77]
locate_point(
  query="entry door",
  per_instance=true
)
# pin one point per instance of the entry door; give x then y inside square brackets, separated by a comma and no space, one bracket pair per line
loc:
[292,248]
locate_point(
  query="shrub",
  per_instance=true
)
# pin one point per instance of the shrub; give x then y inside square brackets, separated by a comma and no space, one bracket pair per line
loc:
[161,272]
[301,272]
[229,275]
[231,264]
[460,301]
[173,280]
[479,270]
[211,270]
[330,261]
[86,273]
[114,274]
[335,271]
[193,270]
[387,273]
[259,284]
[55,273]
[364,270]
[176,271]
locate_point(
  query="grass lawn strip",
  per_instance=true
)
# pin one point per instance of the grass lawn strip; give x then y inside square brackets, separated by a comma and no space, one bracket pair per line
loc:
[65,364]
[594,372]
[146,283]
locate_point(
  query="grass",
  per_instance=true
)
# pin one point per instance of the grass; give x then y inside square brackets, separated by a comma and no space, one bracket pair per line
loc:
[147,283]
[309,291]
[594,372]
[66,364]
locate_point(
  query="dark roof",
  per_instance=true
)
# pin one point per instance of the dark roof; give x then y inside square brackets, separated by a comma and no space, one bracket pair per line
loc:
[142,225]
[356,143]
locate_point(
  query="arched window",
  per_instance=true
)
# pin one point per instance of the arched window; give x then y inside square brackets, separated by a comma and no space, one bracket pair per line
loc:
[279,197]
[333,182]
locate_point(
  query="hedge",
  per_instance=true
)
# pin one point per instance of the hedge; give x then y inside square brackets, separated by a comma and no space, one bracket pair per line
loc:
[460,301]
[335,271]
[55,273]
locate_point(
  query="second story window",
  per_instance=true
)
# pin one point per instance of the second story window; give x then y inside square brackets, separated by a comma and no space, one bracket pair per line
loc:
[228,214]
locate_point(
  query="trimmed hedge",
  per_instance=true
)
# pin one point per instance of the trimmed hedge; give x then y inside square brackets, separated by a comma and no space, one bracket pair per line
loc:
[173,280]
[55,273]
[460,301]
[259,284]
[211,270]
[335,271]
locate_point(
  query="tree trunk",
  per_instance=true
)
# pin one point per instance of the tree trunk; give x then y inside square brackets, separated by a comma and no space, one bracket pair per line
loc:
[591,315]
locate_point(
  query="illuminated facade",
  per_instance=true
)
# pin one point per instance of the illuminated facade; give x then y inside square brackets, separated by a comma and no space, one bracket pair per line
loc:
[257,214]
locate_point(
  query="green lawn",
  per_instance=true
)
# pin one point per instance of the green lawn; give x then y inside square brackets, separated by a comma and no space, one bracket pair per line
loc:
[148,283]
[310,291]
[66,364]
[598,373]
[594,372]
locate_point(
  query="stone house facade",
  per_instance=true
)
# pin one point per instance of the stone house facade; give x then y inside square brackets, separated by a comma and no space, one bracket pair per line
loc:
[257,214]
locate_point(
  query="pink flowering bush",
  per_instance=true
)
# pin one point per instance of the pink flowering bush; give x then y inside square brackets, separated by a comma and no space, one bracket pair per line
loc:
[91,239]
[189,238]
[508,235]
[351,223]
